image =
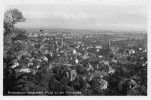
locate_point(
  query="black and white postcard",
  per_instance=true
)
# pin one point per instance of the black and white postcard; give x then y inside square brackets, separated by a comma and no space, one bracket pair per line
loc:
[75,48]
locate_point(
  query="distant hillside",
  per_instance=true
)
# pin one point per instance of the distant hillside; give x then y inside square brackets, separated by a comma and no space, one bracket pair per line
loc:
[82,31]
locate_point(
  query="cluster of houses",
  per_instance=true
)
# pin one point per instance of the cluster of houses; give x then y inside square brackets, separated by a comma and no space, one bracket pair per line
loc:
[53,50]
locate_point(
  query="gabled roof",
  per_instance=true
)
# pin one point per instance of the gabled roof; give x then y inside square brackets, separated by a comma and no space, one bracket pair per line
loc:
[98,47]
[33,35]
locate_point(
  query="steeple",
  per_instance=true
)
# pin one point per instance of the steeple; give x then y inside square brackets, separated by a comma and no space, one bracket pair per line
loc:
[109,45]
[62,42]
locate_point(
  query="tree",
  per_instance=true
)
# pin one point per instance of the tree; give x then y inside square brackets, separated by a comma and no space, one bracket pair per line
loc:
[13,40]
[11,17]
[11,33]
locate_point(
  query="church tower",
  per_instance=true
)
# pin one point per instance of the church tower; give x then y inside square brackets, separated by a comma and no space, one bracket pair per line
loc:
[62,42]
[109,44]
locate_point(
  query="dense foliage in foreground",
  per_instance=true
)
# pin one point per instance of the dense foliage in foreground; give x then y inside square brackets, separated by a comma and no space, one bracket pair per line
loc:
[55,82]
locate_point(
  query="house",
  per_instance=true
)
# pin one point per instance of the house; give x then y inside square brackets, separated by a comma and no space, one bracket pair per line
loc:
[129,51]
[100,56]
[114,50]
[111,70]
[97,50]
[115,60]
[85,57]
[90,67]
[33,35]
[122,59]
[103,84]
[145,50]
[74,51]
[131,59]
[44,34]
[76,61]
[98,47]
[131,45]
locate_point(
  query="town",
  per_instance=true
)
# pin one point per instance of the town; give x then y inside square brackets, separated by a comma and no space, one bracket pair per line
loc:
[83,52]
[85,62]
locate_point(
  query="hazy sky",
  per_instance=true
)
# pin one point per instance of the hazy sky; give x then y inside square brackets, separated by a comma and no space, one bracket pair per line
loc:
[81,16]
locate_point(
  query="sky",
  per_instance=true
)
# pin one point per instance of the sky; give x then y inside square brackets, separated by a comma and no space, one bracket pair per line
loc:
[83,16]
